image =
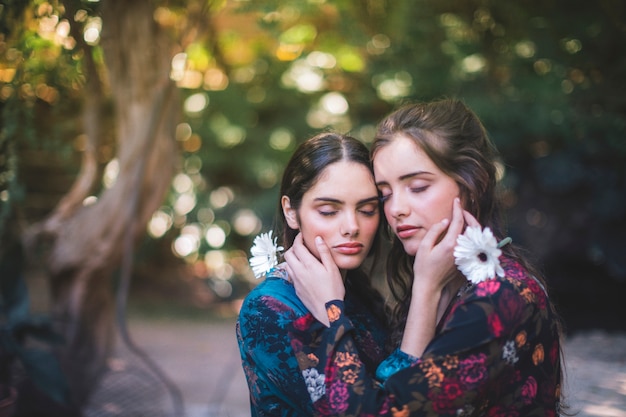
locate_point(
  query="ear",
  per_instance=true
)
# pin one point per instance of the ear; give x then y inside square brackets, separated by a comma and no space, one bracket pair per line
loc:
[290,213]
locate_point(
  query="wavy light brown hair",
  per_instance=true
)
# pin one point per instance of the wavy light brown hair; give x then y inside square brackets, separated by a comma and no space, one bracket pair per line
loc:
[456,141]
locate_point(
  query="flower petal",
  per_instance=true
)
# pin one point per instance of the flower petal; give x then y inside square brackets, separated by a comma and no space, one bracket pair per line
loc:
[476,255]
[263,252]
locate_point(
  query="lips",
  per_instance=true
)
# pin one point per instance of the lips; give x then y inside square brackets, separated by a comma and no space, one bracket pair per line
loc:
[405,231]
[349,248]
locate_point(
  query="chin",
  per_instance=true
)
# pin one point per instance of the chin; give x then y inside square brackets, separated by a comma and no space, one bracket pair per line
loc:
[348,263]
[410,248]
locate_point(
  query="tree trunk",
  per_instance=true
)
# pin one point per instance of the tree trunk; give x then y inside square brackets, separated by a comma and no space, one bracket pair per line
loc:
[86,242]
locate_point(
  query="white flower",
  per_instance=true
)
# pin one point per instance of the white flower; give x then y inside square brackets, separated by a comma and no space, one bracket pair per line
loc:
[476,255]
[263,252]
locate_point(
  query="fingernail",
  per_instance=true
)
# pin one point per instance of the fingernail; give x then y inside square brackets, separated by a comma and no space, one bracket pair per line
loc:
[318,239]
[445,222]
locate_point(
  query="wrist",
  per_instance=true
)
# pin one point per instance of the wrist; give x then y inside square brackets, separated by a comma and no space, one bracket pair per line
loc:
[334,310]
[426,294]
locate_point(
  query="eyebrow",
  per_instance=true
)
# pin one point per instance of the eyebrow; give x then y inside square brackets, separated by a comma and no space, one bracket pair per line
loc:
[336,201]
[407,176]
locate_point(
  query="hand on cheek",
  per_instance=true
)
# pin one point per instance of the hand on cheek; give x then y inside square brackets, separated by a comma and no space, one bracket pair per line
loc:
[434,261]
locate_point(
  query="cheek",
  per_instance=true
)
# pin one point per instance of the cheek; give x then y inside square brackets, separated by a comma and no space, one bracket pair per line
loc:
[440,207]
[370,227]
[308,236]
[312,228]
[445,206]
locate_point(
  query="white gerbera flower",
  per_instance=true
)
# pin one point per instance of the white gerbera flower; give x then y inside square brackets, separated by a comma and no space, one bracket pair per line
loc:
[476,255]
[264,254]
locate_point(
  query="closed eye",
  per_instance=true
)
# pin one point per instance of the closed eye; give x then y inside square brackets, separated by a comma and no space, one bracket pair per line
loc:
[419,189]
[369,211]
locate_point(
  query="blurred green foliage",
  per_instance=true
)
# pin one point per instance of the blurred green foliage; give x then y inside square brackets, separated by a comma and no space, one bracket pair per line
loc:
[546,77]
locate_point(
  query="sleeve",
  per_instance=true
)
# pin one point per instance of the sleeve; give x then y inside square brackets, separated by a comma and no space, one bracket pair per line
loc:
[274,378]
[466,359]
[393,363]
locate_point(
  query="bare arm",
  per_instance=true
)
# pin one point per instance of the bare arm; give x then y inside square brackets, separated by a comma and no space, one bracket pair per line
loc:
[434,280]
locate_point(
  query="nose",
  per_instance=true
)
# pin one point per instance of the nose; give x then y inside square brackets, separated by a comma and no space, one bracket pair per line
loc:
[396,205]
[350,225]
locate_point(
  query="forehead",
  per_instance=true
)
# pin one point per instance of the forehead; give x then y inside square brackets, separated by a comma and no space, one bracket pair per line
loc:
[402,154]
[343,178]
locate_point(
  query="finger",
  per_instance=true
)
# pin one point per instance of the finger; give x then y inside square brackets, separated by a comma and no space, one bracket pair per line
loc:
[290,256]
[470,219]
[297,244]
[324,251]
[302,252]
[293,255]
[434,234]
[457,223]
[455,227]
[290,272]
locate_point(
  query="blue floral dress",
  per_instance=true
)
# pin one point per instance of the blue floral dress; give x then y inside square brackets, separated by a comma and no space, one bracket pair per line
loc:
[277,385]
[495,353]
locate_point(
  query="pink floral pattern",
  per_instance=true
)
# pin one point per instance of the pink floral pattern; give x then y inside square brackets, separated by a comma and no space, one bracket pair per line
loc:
[495,353]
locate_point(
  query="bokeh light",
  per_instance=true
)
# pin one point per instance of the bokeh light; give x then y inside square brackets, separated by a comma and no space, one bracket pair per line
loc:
[90,200]
[188,242]
[196,103]
[215,236]
[92,31]
[220,197]
[179,64]
[246,222]
[394,87]
[160,223]
[304,77]
[111,171]
[281,139]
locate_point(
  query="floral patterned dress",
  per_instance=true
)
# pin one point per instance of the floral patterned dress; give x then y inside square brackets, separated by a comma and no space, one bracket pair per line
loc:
[495,353]
[276,383]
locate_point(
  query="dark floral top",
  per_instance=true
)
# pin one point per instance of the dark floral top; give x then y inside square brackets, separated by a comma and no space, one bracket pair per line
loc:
[495,353]
[276,383]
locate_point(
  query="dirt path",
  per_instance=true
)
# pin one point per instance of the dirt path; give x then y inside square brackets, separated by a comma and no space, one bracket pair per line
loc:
[203,361]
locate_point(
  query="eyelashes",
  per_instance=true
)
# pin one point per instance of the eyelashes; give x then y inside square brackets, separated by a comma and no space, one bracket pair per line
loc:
[415,190]
[368,213]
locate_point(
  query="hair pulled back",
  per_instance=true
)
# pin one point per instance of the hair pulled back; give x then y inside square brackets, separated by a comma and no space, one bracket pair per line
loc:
[304,169]
[307,164]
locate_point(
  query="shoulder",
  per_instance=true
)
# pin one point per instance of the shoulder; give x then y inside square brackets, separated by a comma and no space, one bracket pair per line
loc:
[518,289]
[275,294]
[529,288]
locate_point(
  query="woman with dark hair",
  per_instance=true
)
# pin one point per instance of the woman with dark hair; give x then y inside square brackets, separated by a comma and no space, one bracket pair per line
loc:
[318,197]
[479,339]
